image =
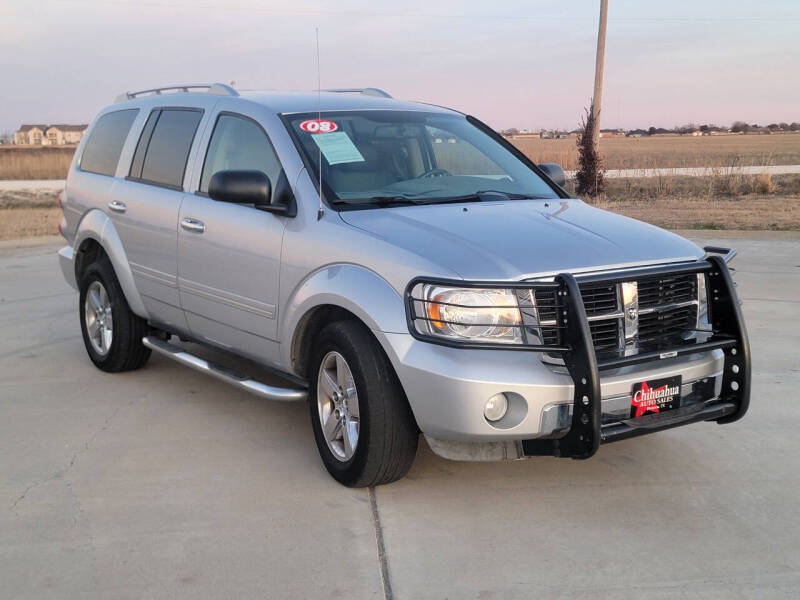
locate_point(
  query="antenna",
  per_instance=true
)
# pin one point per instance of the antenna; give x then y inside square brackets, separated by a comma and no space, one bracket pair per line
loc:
[321,210]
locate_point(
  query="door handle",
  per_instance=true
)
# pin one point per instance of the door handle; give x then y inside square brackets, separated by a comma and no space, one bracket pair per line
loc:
[193,225]
[117,206]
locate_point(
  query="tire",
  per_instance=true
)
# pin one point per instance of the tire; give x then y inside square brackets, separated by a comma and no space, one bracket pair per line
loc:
[387,435]
[123,349]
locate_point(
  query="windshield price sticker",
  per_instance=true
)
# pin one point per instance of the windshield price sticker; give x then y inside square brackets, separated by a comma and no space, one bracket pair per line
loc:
[337,148]
[318,126]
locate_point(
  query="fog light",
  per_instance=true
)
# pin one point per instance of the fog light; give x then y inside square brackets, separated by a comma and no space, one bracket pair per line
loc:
[496,407]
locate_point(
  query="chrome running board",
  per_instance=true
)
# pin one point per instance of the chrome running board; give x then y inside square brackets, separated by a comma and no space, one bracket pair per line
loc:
[243,382]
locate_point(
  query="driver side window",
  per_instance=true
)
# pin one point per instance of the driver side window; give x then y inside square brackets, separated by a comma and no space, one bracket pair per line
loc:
[239,143]
[458,157]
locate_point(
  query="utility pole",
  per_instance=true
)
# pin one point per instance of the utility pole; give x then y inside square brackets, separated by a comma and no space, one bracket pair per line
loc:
[597,98]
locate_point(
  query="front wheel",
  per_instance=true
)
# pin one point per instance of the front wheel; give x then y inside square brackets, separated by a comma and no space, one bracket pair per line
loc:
[363,426]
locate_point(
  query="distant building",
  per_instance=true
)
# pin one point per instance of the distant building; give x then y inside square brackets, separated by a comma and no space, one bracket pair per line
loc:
[30,134]
[49,135]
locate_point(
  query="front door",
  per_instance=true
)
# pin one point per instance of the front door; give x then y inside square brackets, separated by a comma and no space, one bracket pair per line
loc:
[229,254]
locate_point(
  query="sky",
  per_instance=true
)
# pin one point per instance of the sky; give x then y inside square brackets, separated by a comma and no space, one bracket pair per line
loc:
[512,63]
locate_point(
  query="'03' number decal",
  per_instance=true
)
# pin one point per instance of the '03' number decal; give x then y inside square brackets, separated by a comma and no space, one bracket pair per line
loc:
[318,126]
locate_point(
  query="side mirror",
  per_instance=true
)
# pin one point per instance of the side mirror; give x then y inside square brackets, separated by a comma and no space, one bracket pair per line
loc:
[244,187]
[554,172]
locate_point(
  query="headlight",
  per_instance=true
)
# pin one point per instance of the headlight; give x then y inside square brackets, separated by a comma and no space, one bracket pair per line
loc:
[468,314]
[703,321]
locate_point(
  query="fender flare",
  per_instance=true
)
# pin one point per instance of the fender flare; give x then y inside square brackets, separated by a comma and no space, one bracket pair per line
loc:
[356,289]
[98,226]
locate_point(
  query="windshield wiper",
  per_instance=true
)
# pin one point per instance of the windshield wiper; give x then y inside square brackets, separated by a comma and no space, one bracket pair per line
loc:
[511,195]
[394,201]
[479,196]
[378,201]
[482,196]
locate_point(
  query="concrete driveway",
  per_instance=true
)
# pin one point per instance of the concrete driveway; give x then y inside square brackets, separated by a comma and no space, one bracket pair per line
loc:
[165,483]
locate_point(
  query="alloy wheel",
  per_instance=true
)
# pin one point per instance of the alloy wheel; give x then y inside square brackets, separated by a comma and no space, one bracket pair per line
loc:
[97,314]
[337,404]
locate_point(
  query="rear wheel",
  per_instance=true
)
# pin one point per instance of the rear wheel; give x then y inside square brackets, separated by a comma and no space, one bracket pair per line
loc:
[112,334]
[363,426]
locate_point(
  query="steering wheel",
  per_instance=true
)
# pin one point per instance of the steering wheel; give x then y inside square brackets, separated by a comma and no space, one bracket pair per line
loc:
[434,174]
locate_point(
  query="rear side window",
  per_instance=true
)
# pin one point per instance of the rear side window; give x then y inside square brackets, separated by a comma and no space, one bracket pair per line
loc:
[239,143]
[165,153]
[141,147]
[105,143]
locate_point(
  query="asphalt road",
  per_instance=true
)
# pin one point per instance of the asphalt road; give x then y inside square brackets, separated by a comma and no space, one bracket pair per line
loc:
[164,483]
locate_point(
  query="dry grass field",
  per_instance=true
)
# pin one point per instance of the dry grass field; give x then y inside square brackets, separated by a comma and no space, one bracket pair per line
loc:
[28,214]
[35,162]
[726,201]
[751,212]
[672,151]
[721,185]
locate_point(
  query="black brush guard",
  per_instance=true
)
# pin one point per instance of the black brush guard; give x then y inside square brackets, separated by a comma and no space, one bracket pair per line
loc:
[586,433]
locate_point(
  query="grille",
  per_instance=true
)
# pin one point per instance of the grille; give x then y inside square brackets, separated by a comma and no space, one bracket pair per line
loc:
[547,309]
[667,290]
[599,299]
[546,306]
[605,334]
[663,327]
[667,310]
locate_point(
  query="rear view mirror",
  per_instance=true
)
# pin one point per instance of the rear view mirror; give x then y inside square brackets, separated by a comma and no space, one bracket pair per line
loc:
[554,172]
[249,187]
[240,187]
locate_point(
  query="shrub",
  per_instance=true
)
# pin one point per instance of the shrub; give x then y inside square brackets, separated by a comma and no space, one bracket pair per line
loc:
[589,179]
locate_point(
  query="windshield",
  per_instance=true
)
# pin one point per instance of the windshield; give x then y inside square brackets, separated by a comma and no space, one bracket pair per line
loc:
[384,158]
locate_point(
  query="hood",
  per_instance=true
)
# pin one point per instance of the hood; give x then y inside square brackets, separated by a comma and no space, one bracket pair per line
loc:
[518,239]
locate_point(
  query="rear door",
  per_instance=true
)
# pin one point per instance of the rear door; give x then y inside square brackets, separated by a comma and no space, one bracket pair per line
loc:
[146,205]
[229,254]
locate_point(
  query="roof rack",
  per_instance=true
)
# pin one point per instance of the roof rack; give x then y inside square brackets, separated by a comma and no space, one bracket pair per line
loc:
[220,89]
[369,91]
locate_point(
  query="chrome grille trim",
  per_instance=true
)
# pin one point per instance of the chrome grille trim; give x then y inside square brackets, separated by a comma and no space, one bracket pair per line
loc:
[629,293]
[667,307]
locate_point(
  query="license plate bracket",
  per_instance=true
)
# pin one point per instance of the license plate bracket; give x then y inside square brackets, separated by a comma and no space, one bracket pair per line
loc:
[655,396]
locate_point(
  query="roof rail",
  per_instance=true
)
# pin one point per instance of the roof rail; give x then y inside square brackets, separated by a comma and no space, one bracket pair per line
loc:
[220,89]
[369,91]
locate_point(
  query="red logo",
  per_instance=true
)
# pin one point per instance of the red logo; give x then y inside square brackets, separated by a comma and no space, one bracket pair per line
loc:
[318,126]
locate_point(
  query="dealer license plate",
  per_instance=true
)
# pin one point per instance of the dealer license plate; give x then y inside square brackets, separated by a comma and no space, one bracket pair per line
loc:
[655,396]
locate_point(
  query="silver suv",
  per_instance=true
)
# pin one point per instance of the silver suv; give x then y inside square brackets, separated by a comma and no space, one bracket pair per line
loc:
[402,267]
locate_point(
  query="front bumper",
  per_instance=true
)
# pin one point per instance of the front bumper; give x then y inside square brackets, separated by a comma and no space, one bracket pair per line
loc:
[569,412]
[448,388]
